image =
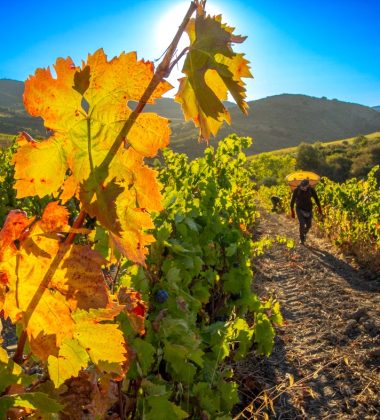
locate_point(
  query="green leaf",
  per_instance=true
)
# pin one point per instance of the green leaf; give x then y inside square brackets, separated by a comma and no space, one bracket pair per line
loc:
[145,354]
[179,366]
[242,334]
[231,250]
[11,373]
[161,408]
[33,400]
[229,394]
[209,398]
[173,277]
[154,389]
[276,317]
[200,290]
[264,334]
[216,336]
[236,280]
[101,239]
[197,357]
[191,224]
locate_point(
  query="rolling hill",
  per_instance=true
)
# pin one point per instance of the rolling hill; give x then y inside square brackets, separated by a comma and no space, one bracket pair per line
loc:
[274,122]
[287,120]
[13,117]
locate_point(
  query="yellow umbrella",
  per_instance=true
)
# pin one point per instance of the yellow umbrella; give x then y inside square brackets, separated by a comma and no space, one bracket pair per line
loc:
[295,178]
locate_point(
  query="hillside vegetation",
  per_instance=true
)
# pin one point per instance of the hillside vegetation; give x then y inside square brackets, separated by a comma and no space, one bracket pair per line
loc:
[338,160]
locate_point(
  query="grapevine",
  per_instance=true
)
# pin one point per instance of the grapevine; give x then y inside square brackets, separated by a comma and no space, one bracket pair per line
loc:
[149,337]
[356,204]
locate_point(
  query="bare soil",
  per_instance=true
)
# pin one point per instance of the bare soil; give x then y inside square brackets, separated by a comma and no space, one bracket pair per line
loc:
[326,359]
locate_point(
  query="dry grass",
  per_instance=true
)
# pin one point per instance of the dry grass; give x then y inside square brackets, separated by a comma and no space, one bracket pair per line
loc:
[326,359]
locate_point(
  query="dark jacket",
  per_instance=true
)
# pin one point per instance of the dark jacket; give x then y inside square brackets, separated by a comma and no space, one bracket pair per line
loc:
[302,199]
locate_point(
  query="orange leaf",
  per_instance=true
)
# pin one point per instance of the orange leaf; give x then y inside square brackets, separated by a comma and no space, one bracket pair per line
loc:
[133,245]
[40,167]
[135,308]
[55,292]
[87,107]
[15,224]
[55,218]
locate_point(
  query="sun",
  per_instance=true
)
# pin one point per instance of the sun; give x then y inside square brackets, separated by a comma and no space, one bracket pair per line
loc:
[167,26]
[170,21]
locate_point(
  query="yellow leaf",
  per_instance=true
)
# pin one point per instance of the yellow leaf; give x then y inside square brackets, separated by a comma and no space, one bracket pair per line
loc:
[40,167]
[71,359]
[212,69]
[69,189]
[103,342]
[143,135]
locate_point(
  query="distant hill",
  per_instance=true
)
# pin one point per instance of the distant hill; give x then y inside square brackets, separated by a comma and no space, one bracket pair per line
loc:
[287,120]
[11,94]
[274,123]
[376,108]
[13,117]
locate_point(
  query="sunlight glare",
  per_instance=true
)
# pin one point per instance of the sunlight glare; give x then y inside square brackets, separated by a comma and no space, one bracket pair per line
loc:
[167,27]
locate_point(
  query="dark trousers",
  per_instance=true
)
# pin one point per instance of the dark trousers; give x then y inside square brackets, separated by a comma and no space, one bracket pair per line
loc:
[305,223]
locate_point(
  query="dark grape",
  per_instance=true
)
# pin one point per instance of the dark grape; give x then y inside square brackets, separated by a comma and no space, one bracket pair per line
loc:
[161,296]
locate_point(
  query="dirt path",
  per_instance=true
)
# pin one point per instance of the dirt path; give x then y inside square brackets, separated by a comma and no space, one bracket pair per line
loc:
[326,360]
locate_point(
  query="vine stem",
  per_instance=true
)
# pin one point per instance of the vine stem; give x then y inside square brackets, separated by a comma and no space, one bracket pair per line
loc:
[19,353]
[163,70]
[76,225]
[18,356]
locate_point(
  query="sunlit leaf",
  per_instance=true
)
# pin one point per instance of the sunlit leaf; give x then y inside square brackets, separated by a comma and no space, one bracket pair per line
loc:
[58,295]
[72,357]
[212,70]
[86,107]
[32,400]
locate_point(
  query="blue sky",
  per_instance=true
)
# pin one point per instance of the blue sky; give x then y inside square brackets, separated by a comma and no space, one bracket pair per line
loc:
[323,48]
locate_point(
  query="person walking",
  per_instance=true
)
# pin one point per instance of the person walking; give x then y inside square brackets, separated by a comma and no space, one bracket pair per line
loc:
[301,198]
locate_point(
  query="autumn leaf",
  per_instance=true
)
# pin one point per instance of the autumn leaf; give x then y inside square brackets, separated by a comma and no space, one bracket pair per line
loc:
[90,341]
[86,108]
[55,218]
[40,167]
[87,119]
[72,357]
[135,308]
[95,336]
[89,395]
[14,225]
[125,212]
[58,295]
[212,70]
